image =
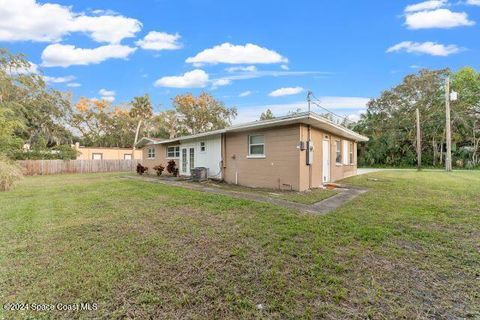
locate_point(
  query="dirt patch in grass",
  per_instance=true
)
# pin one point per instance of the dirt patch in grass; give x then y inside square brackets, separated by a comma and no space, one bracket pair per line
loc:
[309,197]
[305,197]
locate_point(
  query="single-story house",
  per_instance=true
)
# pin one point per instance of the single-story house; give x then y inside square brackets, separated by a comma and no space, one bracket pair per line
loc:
[99,153]
[296,152]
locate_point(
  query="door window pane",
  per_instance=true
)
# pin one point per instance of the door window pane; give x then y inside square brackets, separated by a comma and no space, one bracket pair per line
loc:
[184,160]
[192,158]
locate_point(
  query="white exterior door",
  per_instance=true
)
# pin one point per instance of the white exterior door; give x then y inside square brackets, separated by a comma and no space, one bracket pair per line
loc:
[326,161]
[187,160]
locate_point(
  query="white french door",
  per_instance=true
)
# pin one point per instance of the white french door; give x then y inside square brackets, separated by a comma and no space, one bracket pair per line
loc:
[187,160]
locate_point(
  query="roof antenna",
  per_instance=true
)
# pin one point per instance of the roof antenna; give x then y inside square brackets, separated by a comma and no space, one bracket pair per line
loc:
[309,99]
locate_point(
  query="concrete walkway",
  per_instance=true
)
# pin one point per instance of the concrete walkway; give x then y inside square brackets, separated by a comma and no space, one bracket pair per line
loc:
[322,207]
[367,170]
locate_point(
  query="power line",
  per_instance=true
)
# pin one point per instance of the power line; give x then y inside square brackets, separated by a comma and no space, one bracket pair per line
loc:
[317,103]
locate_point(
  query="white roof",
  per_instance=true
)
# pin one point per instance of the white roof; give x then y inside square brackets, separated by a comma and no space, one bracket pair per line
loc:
[309,118]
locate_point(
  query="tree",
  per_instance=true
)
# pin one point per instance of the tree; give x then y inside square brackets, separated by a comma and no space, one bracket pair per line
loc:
[9,142]
[267,115]
[390,120]
[202,113]
[141,107]
[141,111]
[167,125]
[466,110]
[102,125]
[42,112]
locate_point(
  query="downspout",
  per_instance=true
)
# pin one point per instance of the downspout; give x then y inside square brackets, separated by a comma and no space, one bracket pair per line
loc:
[223,153]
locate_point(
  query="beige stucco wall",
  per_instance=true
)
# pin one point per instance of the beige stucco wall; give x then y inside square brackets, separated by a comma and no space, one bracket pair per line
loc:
[337,171]
[279,168]
[284,165]
[341,171]
[86,153]
[160,157]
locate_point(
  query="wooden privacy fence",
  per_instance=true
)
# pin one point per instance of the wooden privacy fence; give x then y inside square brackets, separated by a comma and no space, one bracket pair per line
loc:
[44,167]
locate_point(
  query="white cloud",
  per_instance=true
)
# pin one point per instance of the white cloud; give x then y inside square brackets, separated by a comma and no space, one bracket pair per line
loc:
[245,94]
[237,54]
[426,5]
[345,106]
[59,55]
[74,85]
[105,92]
[27,20]
[58,79]
[155,40]
[333,102]
[473,2]
[107,95]
[110,29]
[194,79]
[104,12]
[241,69]
[439,18]
[284,67]
[431,48]
[220,83]
[286,91]
[272,73]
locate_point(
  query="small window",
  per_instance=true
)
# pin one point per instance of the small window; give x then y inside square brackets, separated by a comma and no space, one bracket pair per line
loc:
[151,153]
[127,156]
[338,155]
[351,152]
[203,148]
[256,145]
[97,156]
[173,152]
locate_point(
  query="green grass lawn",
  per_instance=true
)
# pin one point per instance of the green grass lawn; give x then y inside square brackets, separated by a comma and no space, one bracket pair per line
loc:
[410,247]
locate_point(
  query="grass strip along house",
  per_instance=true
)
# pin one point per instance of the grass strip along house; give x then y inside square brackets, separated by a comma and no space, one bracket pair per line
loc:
[296,152]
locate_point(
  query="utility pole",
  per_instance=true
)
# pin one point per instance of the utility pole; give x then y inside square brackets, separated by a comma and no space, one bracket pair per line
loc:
[448,157]
[419,143]
[309,99]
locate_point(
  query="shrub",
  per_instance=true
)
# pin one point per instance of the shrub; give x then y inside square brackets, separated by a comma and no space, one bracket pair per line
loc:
[159,169]
[141,169]
[172,168]
[10,173]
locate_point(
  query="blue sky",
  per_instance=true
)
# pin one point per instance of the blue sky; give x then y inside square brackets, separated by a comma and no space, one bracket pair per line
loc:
[249,54]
